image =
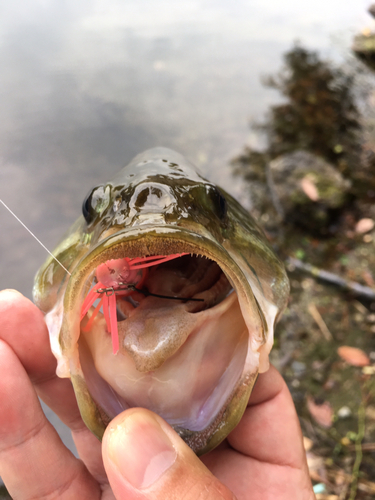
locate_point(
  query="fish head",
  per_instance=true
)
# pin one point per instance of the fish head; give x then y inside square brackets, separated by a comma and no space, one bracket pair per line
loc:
[170,301]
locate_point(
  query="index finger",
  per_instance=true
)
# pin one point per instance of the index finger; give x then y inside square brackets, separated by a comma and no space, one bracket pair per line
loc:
[269,430]
[24,330]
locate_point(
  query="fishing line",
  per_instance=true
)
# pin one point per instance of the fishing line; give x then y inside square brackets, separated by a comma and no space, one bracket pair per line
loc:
[33,235]
[130,286]
[149,294]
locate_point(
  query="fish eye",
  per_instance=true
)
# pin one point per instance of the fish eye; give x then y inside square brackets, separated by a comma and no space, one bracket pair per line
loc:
[219,202]
[95,202]
[87,211]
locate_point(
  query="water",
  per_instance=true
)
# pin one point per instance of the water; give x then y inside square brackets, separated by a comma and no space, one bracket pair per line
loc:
[87,85]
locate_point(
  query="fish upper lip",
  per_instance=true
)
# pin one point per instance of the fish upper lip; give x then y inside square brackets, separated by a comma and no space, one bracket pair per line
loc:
[187,239]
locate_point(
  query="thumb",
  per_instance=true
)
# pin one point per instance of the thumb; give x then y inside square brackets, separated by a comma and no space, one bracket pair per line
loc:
[146,459]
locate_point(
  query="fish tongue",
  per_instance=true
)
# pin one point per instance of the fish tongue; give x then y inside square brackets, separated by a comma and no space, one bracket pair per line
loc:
[155,331]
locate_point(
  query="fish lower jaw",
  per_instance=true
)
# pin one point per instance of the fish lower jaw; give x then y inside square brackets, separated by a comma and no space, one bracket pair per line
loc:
[190,383]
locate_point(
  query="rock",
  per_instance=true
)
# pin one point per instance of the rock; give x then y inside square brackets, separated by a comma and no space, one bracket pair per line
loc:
[320,488]
[307,186]
[298,367]
[344,412]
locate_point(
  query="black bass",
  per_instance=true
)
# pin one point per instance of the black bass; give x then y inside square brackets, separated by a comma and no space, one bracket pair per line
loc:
[168,300]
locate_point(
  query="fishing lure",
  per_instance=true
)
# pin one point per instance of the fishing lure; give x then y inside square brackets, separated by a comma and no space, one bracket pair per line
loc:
[120,277]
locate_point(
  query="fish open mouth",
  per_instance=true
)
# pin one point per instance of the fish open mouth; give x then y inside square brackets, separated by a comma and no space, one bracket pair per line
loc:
[164,332]
[121,285]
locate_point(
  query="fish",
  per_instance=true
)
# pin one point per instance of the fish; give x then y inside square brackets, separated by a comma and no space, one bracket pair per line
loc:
[164,294]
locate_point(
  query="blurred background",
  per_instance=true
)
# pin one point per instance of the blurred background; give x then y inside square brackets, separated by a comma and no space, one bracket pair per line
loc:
[87,85]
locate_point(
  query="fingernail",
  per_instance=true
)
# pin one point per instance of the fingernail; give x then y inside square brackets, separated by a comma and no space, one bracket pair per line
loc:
[140,449]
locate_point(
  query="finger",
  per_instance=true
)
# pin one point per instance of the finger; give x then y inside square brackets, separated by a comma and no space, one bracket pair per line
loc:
[146,459]
[265,451]
[24,329]
[90,452]
[251,479]
[267,386]
[33,461]
[269,430]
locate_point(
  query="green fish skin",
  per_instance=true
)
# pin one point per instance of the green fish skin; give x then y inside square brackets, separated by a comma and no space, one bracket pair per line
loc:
[194,360]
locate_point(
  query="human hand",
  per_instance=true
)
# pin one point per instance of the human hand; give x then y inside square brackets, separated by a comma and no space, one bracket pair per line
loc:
[141,457]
